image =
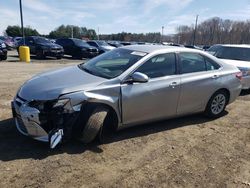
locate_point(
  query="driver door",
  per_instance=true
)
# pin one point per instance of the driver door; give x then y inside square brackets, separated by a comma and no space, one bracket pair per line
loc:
[155,99]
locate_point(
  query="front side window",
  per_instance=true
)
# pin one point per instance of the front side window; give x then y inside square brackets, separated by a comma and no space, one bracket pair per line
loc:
[112,64]
[159,66]
[191,62]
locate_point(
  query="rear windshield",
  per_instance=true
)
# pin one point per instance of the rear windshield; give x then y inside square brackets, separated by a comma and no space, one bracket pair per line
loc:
[234,53]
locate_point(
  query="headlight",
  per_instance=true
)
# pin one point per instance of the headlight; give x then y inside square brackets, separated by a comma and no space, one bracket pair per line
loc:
[245,71]
[60,103]
[3,45]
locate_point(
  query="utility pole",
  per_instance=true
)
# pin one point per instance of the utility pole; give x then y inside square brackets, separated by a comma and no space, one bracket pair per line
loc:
[195,28]
[162,32]
[21,15]
[98,34]
[179,39]
[72,31]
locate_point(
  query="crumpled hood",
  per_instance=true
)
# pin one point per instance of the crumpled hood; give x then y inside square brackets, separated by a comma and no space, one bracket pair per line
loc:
[50,85]
[237,63]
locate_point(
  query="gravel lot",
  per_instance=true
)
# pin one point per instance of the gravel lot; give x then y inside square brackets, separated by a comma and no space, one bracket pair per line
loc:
[186,152]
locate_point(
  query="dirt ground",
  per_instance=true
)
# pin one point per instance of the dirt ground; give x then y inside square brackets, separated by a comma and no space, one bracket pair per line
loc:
[186,152]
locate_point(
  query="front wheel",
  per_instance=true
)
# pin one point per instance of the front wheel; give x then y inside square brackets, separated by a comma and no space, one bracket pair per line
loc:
[217,104]
[4,57]
[93,125]
[40,54]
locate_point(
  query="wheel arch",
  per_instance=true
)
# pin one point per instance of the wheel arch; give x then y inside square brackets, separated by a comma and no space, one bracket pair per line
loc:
[226,91]
[89,106]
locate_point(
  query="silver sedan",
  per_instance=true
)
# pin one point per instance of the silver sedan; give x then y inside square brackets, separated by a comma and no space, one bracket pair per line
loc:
[124,87]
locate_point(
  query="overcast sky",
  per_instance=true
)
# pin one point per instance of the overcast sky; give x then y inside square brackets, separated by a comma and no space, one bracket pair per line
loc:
[113,16]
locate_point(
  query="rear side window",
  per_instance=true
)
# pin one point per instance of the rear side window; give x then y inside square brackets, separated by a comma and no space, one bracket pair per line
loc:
[211,65]
[158,66]
[191,62]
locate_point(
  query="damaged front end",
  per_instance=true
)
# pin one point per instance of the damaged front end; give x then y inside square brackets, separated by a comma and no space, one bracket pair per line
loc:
[48,121]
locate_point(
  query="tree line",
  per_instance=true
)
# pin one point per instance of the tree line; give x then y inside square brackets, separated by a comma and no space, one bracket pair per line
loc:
[138,37]
[60,32]
[215,31]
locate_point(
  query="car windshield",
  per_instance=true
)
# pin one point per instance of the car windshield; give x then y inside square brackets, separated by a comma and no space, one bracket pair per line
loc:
[42,40]
[234,53]
[79,42]
[112,64]
[102,43]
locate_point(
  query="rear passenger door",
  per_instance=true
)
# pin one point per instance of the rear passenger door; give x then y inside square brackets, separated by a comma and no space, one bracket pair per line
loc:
[200,78]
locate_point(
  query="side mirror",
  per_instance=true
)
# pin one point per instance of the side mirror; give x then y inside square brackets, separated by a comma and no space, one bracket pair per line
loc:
[137,77]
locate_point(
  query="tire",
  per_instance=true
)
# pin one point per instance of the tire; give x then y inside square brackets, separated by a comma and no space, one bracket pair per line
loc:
[4,57]
[58,57]
[94,124]
[40,55]
[217,104]
[108,129]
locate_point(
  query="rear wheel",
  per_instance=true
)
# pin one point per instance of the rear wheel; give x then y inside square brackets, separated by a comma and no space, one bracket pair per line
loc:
[94,124]
[217,104]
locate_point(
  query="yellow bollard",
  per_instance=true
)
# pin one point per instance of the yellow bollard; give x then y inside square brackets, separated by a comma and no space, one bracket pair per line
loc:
[24,53]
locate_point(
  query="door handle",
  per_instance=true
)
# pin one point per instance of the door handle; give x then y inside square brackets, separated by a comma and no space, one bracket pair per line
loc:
[215,76]
[173,84]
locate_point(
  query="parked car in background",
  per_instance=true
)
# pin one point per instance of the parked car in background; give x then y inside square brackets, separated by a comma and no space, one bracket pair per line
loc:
[77,48]
[101,45]
[237,55]
[16,40]
[42,47]
[10,44]
[124,87]
[205,47]
[3,51]
[116,44]
[125,43]
[53,40]
[193,47]
[172,44]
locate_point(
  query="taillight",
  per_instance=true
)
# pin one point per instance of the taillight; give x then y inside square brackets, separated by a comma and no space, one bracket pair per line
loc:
[239,75]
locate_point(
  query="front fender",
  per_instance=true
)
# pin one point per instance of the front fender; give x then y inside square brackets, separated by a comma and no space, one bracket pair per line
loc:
[111,99]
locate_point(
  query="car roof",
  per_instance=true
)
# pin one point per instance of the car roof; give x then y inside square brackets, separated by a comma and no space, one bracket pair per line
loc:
[236,45]
[154,48]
